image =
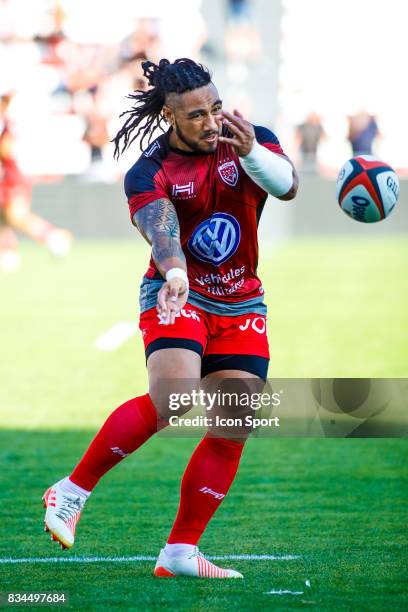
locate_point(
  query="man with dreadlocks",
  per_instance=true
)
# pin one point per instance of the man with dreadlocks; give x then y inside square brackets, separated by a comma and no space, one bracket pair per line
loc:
[196,194]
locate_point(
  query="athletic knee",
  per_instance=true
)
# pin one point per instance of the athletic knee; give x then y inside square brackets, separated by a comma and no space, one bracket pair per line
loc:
[173,397]
[15,212]
[236,402]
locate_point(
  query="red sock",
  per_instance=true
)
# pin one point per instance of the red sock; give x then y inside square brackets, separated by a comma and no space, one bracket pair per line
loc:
[205,483]
[127,428]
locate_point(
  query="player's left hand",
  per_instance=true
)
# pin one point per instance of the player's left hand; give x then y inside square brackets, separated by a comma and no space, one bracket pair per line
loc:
[171,299]
[243,132]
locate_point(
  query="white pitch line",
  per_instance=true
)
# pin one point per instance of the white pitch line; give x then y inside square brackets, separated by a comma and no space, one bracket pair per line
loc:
[254,557]
[115,336]
[10,560]
[284,592]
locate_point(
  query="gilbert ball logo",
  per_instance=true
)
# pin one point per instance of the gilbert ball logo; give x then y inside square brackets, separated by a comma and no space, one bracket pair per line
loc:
[216,239]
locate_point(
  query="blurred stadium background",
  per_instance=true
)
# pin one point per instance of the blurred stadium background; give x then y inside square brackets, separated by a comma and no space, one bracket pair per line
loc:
[71,65]
[337,290]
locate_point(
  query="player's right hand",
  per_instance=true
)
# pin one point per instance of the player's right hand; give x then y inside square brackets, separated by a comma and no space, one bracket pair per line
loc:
[171,299]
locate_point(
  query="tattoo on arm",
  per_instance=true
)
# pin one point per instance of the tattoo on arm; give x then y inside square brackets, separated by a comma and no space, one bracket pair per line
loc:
[158,224]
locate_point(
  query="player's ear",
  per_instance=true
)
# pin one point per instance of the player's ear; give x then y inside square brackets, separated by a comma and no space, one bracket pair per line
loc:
[168,114]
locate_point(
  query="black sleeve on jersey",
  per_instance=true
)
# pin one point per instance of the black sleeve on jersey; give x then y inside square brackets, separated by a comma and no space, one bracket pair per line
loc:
[263,135]
[140,177]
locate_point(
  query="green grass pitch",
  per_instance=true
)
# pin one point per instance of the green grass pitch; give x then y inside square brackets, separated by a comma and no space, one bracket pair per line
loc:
[336,308]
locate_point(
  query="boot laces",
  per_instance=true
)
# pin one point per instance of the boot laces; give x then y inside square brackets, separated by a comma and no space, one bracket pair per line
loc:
[69,507]
[197,553]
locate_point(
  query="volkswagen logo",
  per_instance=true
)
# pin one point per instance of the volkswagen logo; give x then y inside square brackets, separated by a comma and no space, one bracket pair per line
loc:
[216,239]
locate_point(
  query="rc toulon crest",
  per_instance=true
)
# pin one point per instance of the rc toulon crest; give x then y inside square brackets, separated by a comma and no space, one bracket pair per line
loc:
[228,171]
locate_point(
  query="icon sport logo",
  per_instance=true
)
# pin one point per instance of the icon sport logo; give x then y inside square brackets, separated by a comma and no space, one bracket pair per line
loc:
[216,239]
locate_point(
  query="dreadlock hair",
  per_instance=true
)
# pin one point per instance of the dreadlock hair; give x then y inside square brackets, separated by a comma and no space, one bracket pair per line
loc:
[146,114]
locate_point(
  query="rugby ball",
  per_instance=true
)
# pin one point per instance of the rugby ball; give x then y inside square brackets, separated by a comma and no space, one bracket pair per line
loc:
[367,189]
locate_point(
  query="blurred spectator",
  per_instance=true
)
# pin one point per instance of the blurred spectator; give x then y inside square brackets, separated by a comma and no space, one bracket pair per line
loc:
[143,42]
[76,83]
[242,40]
[308,136]
[75,63]
[96,134]
[239,9]
[15,203]
[242,48]
[363,130]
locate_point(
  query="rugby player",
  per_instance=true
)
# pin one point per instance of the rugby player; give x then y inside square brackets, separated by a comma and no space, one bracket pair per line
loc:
[15,203]
[196,194]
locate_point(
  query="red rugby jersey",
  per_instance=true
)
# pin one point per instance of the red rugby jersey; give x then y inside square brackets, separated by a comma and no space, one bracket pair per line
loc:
[12,181]
[218,207]
[10,172]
